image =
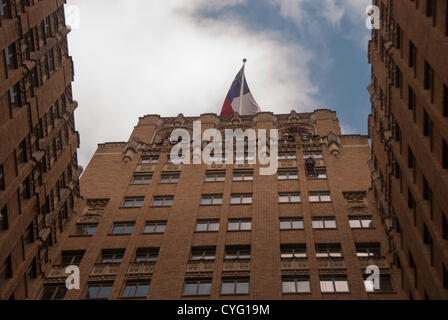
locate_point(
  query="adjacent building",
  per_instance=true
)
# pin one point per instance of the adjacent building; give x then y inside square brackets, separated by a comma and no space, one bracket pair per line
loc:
[39,174]
[152,229]
[409,132]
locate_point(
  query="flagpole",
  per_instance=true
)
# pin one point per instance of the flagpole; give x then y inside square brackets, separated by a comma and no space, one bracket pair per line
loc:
[242,87]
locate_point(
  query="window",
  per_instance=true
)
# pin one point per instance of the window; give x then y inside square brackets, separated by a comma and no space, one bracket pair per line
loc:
[146,255]
[170,177]
[243,175]
[333,283]
[399,36]
[149,159]
[211,199]
[98,290]
[386,284]
[317,172]
[112,256]
[21,155]
[215,176]
[412,56]
[427,124]
[207,226]
[5,272]
[368,250]
[28,236]
[197,287]
[239,225]
[299,284]
[24,190]
[136,289]
[411,98]
[429,79]
[313,154]
[141,178]
[155,227]
[241,198]
[54,292]
[289,197]
[11,57]
[430,8]
[5,9]
[4,219]
[235,286]
[14,97]
[323,196]
[163,201]
[237,253]
[293,251]
[69,258]
[123,227]
[360,222]
[291,224]
[326,223]
[86,229]
[250,157]
[287,156]
[411,159]
[398,77]
[218,158]
[328,250]
[2,178]
[46,27]
[290,174]
[203,254]
[133,202]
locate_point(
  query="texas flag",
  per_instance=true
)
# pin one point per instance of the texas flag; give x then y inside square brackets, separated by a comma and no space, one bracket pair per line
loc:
[239,99]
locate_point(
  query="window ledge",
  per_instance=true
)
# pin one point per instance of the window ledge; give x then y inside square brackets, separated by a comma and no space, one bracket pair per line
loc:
[207,231]
[80,235]
[382,292]
[331,293]
[295,293]
[289,202]
[133,298]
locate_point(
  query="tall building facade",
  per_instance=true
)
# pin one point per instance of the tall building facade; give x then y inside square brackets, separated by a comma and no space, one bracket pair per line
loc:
[152,229]
[409,132]
[39,174]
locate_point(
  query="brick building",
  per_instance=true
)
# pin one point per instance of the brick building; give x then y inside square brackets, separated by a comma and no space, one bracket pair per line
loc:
[409,132]
[39,174]
[151,229]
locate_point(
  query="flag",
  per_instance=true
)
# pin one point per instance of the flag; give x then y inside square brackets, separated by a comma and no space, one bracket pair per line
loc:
[239,99]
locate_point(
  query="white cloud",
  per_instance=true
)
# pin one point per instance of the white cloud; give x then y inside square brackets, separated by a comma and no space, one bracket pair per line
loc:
[151,57]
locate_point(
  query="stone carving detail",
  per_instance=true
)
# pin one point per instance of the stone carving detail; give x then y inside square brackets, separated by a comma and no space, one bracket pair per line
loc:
[94,210]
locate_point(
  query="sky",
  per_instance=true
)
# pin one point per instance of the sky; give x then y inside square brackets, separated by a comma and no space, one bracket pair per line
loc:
[139,57]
